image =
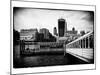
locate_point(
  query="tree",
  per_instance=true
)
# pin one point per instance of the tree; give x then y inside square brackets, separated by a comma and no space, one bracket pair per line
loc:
[82,33]
[16,36]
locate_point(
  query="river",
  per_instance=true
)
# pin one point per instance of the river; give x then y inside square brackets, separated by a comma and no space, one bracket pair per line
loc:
[43,60]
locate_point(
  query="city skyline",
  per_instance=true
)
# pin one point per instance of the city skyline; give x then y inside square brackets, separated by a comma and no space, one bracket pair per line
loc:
[30,18]
[52,35]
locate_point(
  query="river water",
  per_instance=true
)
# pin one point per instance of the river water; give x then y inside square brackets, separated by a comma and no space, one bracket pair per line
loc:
[43,60]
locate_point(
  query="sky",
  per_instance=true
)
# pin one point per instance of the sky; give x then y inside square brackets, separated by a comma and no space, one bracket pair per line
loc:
[30,18]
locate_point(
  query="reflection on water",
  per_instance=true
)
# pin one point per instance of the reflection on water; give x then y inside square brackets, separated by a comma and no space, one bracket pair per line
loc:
[43,60]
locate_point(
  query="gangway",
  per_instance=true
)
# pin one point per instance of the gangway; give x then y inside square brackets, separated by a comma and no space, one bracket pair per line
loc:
[83,47]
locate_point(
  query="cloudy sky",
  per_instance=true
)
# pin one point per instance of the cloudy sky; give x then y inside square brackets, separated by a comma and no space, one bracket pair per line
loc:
[26,18]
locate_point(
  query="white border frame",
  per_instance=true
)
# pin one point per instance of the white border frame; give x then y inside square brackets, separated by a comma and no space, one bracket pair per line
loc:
[51,68]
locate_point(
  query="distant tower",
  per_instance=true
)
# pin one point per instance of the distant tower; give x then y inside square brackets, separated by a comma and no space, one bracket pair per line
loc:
[61,27]
[55,31]
[73,29]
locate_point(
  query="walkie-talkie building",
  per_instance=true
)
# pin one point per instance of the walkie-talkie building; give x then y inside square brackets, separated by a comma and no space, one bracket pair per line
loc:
[61,27]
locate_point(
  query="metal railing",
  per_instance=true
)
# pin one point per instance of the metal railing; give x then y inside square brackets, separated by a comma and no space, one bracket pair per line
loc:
[85,41]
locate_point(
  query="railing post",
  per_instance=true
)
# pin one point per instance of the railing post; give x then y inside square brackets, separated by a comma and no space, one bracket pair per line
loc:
[88,42]
[79,43]
[82,43]
[85,42]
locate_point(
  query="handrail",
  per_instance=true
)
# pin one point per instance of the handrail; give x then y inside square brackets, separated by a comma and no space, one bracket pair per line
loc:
[86,35]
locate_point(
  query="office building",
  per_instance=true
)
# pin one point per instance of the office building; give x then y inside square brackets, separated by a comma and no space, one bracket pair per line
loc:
[55,31]
[28,34]
[61,27]
[45,33]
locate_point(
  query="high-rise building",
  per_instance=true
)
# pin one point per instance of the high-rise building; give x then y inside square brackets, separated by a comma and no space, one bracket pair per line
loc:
[72,34]
[61,27]
[55,31]
[28,34]
[45,32]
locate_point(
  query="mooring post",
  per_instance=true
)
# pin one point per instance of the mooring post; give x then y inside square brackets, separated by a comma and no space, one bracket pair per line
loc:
[64,49]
